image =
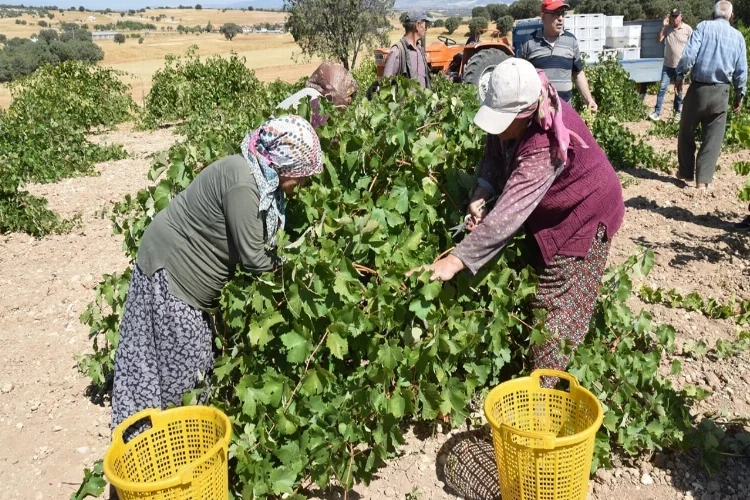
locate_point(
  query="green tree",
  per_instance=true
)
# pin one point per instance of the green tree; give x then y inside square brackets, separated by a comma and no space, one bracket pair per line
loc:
[497,10]
[505,25]
[524,9]
[480,12]
[230,30]
[338,29]
[439,23]
[198,7]
[209,27]
[452,24]
[478,24]
[140,40]
[120,38]
[81,9]
[42,24]
[48,35]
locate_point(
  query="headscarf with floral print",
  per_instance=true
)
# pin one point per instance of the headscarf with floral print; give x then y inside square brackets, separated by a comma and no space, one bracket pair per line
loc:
[285,146]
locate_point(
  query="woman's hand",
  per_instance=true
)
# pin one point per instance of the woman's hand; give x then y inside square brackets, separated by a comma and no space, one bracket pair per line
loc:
[477,207]
[443,270]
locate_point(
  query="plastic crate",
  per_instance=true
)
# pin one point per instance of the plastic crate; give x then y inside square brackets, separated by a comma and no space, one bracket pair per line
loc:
[581,33]
[596,44]
[591,56]
[628,54]
[651,48]
[584,46]
[582,20]
[622,42]
[570,22]
[597,20]
[613,21]
[624,31]
[596,33]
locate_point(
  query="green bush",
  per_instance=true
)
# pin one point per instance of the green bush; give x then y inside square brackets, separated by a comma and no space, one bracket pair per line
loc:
[43,136]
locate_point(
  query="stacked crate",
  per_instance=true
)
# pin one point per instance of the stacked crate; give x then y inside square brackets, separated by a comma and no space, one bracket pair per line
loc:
[589,29]
[597,35]
[626,40]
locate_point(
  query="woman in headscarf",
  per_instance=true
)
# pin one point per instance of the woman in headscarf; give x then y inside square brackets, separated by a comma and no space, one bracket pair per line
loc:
[228,215]
[331,81]
[553,179]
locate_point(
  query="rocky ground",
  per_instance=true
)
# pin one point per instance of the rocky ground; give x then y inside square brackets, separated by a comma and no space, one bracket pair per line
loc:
[49,429]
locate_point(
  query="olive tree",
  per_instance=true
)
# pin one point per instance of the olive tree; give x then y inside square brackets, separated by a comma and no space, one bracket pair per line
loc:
[338,29]
[478,24]
[452,24]
[119,38]
[504,24]
[230,30]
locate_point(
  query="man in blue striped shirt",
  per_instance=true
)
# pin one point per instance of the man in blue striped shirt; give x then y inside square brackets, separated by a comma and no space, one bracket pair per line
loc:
[557,53]
[715,57]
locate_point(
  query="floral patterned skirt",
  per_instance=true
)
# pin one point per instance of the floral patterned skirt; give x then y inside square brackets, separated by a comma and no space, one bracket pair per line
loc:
[568,288]
[165,349]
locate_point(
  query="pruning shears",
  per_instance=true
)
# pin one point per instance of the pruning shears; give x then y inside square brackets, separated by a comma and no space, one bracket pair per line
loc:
[469,221]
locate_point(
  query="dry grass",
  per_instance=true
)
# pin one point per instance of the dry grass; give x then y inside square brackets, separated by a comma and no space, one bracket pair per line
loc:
[270,56]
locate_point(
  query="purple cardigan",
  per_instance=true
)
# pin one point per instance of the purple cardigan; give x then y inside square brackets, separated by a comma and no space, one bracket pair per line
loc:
[586,193]
[562,213]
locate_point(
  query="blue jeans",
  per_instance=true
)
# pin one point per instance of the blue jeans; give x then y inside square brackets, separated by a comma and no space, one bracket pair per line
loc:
[667,75]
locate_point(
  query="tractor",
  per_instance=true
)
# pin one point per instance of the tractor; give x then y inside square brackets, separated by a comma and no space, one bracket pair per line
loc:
[471,63]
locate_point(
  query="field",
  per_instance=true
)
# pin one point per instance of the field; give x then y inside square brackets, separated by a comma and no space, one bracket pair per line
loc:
[404,155]
[270,56]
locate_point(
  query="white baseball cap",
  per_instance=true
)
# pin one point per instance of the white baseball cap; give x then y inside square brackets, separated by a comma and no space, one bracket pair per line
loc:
[514,86]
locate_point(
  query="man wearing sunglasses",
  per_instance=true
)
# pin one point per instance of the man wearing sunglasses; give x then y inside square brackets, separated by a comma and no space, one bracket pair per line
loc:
[557,53]
[674,34]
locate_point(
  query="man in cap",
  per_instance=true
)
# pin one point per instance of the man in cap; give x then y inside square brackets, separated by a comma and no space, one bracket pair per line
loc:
[674,34]
[557,53]
[407,58]
[550,177]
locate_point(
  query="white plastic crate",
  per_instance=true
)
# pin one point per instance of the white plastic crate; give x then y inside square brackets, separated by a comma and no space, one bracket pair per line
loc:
[592,56]
[582,20]
[596,44]
[628,54]
[613,21]
[570,22]
[624,31]
[596,33]
[622,42]
[584,46]
[589,20]
[581,33]
[597,20]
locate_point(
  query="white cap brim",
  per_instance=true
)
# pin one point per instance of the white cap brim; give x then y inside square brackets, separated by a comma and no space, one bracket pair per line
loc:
[493,122]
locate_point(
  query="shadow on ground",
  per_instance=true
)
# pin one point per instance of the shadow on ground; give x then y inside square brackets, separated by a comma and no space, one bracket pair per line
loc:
[716,220]
[466,464]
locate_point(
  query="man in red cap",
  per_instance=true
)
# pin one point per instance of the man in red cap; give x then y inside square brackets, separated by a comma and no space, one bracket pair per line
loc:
[557,53]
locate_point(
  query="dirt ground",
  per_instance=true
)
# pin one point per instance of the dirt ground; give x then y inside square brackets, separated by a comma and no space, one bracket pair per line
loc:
[50,430]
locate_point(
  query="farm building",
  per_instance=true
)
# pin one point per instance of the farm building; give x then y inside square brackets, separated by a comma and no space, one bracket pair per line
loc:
[103,35]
